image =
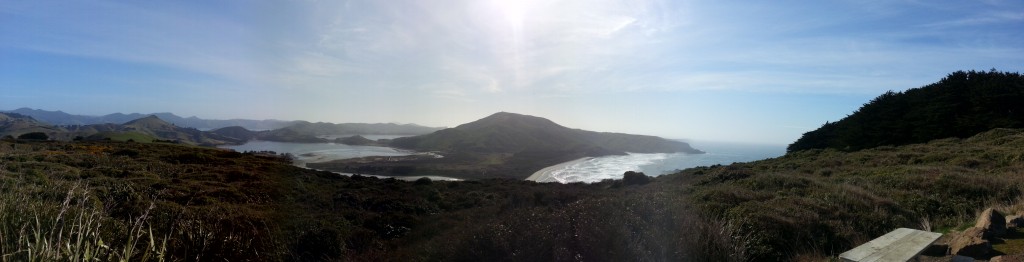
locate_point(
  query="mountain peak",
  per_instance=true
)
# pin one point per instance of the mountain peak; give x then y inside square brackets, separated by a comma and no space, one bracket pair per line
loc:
[505,132]
[513,120]
[150,121]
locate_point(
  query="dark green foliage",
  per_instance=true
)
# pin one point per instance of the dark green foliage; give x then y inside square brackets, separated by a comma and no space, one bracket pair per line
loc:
[34,136]
[356,140]
[126,152]
[960,105]
[635,178]
[423,181]
[828,201]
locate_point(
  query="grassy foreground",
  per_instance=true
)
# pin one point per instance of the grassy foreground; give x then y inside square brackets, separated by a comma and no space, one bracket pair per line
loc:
[133,201]
[824,202]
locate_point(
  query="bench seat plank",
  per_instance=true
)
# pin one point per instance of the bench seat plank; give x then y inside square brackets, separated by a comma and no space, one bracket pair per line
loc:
[901,244]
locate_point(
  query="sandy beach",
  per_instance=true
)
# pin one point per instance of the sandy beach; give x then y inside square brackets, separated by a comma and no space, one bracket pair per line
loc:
[544,175]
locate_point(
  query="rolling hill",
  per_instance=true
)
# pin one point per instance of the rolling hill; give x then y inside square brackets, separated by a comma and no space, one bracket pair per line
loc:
[503,145]
[146,129]
[61,118]
[511,133]
[14,125]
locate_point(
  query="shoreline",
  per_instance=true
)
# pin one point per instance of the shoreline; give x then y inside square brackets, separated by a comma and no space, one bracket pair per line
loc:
[544,175]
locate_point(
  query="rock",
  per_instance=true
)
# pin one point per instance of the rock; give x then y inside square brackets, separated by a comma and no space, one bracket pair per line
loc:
[1008,258]
[1015,221]
[992,222]
[970,243]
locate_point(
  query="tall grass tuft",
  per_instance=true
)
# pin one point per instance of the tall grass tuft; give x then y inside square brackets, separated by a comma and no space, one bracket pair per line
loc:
[35,227]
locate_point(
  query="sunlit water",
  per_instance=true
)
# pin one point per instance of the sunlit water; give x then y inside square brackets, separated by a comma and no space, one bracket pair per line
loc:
[612,167]
[323,152]
[590,170]
[317,152]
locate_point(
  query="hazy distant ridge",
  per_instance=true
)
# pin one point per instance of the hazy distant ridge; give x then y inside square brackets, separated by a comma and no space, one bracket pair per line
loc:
[61,118]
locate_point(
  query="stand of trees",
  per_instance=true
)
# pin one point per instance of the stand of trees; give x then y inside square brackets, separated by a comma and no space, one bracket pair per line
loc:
[960,105]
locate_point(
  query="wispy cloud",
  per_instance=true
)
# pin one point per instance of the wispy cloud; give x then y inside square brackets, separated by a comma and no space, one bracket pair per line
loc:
[510,54]
[988,18]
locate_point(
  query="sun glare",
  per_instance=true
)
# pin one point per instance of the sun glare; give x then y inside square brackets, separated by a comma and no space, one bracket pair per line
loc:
[515,11]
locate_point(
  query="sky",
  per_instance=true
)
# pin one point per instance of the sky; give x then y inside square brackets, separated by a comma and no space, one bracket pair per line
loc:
[742,71]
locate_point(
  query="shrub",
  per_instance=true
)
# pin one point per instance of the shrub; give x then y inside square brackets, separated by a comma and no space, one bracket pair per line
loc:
[635,178]
[34,136]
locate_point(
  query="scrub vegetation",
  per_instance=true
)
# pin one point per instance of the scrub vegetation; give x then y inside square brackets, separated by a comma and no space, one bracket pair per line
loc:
[837,188]
[135,201]
[123,200]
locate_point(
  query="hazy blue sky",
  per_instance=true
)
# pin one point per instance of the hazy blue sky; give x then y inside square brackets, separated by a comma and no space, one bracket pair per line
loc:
[752,71]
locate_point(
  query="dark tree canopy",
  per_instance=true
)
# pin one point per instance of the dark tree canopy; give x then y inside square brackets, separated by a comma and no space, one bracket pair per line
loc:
[960,105]
[34,136]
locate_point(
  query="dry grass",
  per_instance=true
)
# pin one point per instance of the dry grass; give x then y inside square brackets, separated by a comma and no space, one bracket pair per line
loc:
[37,229]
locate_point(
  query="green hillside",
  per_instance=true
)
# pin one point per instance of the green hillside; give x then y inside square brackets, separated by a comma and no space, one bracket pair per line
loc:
[827,201]
[960,105]
[122,136]
[235,132]
[144,129]
[14,125]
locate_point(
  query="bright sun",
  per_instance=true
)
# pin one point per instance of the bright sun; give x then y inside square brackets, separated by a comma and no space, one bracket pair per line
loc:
[514,10]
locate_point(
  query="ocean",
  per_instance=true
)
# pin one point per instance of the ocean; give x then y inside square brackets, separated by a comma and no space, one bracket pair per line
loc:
[612,167]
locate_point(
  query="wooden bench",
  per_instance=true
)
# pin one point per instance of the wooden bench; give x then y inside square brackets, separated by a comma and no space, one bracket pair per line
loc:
[902,244]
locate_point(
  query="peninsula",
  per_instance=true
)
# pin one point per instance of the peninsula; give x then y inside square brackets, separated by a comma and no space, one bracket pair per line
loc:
[502,145]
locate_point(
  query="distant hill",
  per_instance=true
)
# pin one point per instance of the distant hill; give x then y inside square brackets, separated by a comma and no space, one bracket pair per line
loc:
[236,132]
[14,125]
[960,105]
[356,140]
[306,132]
[321,128]
[156,127]
[503,145]
[146,129]
[61,118]
[511,133]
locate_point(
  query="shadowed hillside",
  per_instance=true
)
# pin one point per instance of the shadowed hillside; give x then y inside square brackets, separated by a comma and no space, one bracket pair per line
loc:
[14,125]
[303,131]
[503,145]
[510,133]
[960,105]
[147,129]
